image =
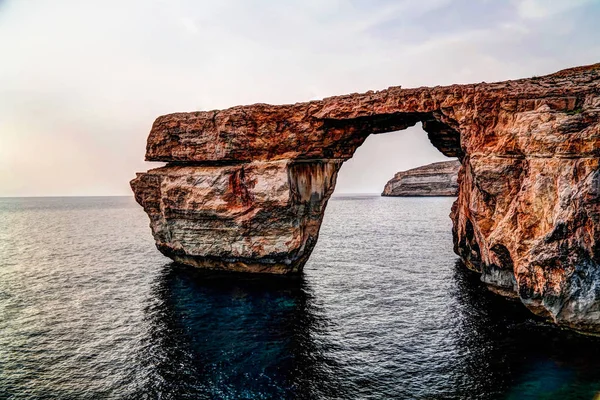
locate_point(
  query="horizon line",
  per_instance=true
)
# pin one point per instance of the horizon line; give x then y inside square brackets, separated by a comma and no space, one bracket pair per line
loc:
[131,195]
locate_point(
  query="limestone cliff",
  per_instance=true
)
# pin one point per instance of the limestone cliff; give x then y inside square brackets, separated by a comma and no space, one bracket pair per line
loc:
[437,179]
[245,188]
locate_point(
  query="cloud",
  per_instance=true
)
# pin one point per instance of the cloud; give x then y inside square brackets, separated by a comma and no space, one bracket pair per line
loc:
[81,82]
[190,26]
[542,9]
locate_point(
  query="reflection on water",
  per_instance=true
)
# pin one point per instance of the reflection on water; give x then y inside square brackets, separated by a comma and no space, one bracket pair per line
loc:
[89,309]
[231,336]
[515,356]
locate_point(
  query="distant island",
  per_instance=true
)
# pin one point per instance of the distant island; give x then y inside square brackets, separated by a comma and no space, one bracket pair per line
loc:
[437,179]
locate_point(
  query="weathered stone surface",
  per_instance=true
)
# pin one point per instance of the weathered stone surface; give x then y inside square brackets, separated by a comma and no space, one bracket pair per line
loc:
[437,179]
[254,217]
[246,187]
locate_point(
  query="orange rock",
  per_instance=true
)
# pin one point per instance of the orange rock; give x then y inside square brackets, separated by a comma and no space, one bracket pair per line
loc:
[245,188]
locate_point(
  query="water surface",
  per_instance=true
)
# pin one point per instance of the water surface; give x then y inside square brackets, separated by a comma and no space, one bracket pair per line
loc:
[90,309]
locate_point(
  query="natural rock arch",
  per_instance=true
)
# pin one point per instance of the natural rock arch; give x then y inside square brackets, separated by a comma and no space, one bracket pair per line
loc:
[245,188]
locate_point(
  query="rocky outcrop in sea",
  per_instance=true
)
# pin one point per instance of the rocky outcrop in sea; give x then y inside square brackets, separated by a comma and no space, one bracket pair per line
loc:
[437,179]
[245,189]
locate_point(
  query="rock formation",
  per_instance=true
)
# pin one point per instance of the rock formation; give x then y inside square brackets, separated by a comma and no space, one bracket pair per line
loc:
[437,179]
[245,188]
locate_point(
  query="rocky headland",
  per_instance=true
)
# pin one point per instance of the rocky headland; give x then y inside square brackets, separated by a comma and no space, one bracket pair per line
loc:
[245,189]
[436,179]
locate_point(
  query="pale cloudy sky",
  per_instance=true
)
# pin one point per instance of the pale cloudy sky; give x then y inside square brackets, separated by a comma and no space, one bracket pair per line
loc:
[82,81]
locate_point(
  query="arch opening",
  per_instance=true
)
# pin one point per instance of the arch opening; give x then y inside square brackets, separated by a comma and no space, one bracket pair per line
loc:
[353,131]
[382,156]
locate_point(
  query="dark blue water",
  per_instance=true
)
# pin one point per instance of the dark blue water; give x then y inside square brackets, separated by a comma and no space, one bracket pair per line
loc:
[89,309]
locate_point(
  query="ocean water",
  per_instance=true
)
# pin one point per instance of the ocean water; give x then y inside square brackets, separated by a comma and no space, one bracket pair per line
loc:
[89,309]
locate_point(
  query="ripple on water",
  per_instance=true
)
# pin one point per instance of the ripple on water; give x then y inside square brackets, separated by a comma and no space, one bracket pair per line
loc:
[89,309]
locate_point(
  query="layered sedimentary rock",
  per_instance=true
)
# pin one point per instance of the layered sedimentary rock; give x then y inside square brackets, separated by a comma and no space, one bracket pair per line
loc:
[245,188]
[437,179]
[251,217]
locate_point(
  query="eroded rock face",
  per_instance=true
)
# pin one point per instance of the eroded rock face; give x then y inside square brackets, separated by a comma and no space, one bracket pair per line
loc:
[252,217]
[437,179]
[245,188]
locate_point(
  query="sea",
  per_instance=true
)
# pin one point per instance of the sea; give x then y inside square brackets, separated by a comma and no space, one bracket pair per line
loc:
[89,309]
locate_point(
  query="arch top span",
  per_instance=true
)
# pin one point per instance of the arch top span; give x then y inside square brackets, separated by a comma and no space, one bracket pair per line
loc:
[245,188]
[242,135]
[335,126]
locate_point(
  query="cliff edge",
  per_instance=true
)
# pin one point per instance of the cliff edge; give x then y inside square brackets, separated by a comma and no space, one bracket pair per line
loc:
[437,179]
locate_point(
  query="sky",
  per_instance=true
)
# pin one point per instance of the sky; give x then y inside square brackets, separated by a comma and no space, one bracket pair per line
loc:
[81,82]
